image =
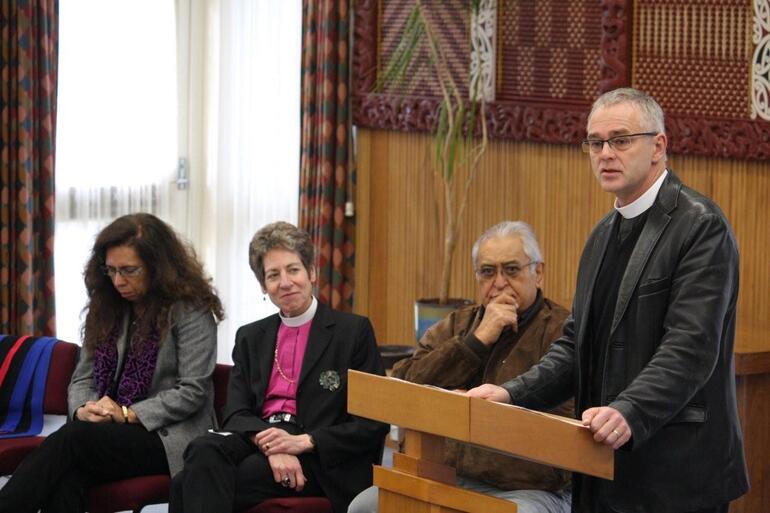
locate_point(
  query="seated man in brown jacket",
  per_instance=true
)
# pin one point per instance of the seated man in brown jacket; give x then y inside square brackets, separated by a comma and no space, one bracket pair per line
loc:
[493,342]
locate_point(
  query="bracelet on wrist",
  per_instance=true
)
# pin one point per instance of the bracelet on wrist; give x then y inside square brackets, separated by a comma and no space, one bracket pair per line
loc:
[125,414]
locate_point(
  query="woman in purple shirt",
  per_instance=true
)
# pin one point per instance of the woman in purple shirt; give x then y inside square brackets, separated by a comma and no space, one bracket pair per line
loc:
[286,428]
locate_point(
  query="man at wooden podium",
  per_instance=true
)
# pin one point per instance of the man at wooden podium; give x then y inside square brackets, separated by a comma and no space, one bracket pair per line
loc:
[492,342]
[648,349]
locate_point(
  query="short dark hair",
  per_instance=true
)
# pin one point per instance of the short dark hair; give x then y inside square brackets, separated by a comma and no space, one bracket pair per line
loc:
[652,113]
[279,235]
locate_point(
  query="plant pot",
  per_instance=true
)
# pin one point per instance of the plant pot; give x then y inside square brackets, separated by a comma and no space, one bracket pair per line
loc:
[428,312]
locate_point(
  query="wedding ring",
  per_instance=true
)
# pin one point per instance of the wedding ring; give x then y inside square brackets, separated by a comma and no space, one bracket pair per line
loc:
[616,433]
[267,448]
[286,481]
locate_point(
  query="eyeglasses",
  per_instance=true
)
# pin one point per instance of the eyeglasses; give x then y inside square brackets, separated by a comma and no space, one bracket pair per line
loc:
[510,271]
[129,271]
[617,143]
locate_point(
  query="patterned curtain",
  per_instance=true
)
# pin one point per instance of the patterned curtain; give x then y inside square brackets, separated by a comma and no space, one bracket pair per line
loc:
[28,76]
[326,177]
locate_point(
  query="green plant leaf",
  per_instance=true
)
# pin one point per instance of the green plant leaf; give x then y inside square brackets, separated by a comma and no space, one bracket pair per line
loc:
[404,56]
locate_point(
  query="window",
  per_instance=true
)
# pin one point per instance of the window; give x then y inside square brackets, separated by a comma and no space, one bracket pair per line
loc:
[215,83]
[116,142]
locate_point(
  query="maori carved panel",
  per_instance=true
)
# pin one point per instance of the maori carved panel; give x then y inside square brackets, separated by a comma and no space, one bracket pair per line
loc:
[364,46]
[694,56]
[760,77]
[550,51]
[451,19]
[558,118]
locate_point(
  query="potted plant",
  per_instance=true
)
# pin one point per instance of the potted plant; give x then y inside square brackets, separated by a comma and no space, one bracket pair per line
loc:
[460,135]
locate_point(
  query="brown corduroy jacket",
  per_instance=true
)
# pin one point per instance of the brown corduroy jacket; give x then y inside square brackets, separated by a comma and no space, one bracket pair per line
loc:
[450,356]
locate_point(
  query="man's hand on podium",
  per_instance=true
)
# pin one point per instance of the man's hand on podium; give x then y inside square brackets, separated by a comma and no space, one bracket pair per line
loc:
[490,392]
[608,426]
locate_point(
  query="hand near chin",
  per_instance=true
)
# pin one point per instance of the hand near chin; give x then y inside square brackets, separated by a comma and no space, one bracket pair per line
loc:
[499,313]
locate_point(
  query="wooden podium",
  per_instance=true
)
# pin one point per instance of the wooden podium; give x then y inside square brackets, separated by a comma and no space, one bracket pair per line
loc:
[420,482]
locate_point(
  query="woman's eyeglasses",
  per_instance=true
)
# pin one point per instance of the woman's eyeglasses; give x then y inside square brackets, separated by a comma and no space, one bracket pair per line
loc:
[129,271]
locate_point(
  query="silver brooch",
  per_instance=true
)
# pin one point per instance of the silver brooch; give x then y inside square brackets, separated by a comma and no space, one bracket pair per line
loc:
[330,380]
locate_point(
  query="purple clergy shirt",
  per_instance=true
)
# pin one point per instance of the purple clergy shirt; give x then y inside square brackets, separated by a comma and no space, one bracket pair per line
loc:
[281,395]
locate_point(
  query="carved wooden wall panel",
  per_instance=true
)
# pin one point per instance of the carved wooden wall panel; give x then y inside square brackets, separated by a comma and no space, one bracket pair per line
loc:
[695,58]
[542,118]
[451,19]
[549,51]
[706,61]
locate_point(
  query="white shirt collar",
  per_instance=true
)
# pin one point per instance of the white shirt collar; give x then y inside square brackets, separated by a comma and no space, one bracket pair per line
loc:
[299,320]
[641,204]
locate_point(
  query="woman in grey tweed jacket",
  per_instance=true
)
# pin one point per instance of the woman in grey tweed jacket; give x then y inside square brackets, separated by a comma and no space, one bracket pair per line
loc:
[142,389]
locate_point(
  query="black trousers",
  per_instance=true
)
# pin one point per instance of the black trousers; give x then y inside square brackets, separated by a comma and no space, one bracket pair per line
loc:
[719,509]
[228,473]
[55,476]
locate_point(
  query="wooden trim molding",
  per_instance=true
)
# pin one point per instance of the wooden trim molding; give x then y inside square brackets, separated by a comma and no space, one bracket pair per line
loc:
[615,65]
[728,138]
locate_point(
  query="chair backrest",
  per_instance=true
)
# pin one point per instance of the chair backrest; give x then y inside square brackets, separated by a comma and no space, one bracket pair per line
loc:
[221,378]
[63,360]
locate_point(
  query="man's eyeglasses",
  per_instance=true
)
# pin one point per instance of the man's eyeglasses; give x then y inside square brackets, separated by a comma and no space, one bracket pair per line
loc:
[617,143]
[510,271]
[129,271]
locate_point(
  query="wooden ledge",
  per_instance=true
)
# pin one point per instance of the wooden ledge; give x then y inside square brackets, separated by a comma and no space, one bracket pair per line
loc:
[752,348]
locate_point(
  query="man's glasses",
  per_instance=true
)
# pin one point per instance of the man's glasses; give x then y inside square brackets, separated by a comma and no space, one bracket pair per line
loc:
[129,271]
[510,271]
[617,143]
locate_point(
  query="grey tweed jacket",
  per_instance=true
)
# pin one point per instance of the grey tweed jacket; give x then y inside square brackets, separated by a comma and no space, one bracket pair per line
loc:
[179,405]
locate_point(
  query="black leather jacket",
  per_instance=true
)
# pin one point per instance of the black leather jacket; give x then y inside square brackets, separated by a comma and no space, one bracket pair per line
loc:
[669,366]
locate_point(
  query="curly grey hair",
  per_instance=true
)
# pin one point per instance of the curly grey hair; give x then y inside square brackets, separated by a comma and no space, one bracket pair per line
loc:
[510,229]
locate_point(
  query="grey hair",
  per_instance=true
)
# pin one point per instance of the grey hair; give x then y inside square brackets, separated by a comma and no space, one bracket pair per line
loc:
[510,229]
[279,235]
[652,114]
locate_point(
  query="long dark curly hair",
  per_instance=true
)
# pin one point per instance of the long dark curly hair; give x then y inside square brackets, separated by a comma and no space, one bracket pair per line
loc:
[173,274]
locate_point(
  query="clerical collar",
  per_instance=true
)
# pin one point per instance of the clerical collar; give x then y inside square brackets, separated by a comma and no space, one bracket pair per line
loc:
[643,203]
[306,316]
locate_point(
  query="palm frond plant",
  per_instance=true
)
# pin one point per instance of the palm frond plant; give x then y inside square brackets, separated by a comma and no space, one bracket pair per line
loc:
[460,136]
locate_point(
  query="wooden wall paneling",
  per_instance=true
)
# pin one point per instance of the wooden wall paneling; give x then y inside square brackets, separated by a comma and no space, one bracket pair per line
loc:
[549,186]
[741,189]
[753,393]
[405,237]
